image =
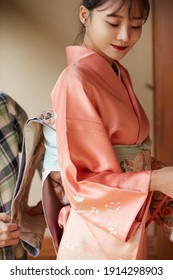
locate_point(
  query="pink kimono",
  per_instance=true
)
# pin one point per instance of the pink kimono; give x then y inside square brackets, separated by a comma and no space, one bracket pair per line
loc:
[96,109]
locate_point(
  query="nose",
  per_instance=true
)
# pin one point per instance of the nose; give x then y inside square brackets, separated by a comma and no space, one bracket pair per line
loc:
[123,34]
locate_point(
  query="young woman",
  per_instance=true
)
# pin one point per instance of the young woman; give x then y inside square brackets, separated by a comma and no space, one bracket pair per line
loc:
[103,139]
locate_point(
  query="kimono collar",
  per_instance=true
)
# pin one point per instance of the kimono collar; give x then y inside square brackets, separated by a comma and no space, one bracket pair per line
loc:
[87,57]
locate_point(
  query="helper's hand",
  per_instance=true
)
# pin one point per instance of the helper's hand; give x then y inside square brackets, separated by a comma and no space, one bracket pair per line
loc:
[162,180]
[9,232]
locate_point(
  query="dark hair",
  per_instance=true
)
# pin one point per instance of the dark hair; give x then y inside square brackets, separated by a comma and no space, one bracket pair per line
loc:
[93,4]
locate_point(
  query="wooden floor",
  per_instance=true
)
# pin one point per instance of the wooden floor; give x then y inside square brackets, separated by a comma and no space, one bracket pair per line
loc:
[47,251]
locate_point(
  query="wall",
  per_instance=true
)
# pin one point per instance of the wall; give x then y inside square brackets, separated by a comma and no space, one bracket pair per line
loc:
[30,61]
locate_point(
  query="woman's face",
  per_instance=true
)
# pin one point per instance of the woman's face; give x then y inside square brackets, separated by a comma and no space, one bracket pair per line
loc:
[112,34]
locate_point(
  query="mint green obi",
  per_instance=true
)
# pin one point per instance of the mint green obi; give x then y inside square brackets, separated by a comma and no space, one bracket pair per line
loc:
[134,157]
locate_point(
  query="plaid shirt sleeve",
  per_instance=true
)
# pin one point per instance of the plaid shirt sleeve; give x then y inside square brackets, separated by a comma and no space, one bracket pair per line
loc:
[12,121]
[18,118]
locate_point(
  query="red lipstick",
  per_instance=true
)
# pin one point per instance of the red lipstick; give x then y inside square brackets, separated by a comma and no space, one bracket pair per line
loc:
[119,48]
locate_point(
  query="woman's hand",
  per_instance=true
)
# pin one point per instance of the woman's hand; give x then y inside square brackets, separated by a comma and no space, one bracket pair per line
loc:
[162,180]
[9,232]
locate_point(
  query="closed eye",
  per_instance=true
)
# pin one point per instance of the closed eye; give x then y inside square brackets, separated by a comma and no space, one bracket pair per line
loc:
[136,27]
[112,24]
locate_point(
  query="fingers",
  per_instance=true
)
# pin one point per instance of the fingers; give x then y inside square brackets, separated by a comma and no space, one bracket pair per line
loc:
[161,180]
[5,217]
[7,226]
[9,234]
[8,242]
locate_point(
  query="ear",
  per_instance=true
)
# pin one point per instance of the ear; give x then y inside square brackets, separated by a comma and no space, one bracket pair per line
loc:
[83,14]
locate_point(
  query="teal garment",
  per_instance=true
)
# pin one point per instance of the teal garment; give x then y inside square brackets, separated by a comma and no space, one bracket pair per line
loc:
[51,161]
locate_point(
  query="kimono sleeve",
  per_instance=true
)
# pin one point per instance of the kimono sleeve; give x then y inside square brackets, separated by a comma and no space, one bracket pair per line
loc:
[94,183]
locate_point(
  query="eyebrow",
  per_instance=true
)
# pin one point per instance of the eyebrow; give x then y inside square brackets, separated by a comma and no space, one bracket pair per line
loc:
[114,15]
[118,16]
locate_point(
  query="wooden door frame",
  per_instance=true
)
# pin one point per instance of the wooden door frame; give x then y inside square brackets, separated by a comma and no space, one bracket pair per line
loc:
[163,98]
